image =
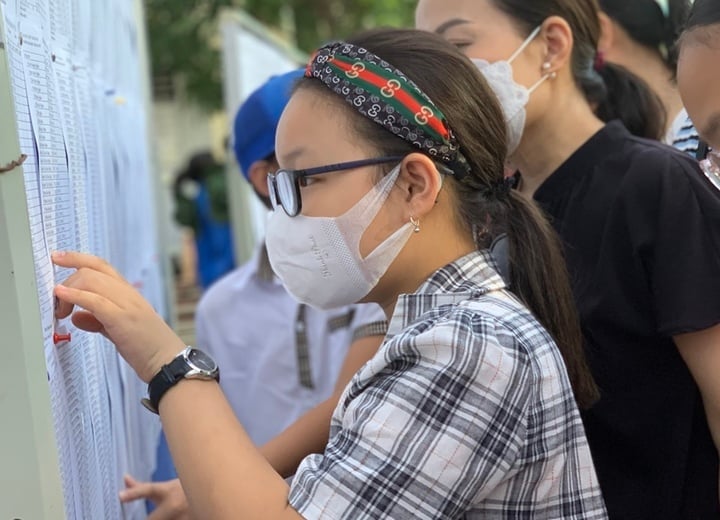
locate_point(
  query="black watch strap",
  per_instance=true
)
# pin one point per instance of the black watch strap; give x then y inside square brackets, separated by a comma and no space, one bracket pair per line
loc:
[168,376]
[191,363]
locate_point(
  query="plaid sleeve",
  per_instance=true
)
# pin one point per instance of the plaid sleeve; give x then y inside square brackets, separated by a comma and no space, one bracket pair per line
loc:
[426,427]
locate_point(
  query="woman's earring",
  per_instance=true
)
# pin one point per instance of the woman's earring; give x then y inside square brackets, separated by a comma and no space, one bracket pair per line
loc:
[415,222]
[546,70]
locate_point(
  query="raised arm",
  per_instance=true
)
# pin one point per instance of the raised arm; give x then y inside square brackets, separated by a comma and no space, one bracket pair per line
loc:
[222,472]
[309,434]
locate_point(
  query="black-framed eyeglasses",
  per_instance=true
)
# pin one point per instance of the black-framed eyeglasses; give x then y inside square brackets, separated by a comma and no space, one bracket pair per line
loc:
[284,185]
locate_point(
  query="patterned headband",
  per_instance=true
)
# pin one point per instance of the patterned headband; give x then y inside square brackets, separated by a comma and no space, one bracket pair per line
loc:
[385,95]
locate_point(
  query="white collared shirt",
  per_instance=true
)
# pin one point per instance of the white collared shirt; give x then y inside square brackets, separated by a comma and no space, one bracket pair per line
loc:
[271,370]
[683,135]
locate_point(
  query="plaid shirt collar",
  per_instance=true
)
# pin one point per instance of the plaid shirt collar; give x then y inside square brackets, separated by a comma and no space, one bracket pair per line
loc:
[466,278]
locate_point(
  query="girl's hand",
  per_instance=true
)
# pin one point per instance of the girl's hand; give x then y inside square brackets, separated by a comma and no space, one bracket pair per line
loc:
[168,497]
[115,309]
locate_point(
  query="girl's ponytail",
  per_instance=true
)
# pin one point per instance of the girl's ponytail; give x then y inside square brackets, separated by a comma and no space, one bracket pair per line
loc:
[539,277]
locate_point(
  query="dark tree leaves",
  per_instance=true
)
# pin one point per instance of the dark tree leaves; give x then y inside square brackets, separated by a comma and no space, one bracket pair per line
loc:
[184,40]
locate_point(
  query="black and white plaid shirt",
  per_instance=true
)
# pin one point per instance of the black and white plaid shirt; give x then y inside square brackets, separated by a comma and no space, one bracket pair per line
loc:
[466,411]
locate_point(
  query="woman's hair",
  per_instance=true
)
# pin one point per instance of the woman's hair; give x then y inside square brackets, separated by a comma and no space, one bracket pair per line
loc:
[459,91]
[703,24]
[630,99]
[612,91]
[647,24]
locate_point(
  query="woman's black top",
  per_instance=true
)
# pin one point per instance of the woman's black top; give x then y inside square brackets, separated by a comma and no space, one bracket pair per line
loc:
[641,229]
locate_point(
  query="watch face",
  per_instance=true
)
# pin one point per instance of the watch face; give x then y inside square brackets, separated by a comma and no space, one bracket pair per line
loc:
[202,361]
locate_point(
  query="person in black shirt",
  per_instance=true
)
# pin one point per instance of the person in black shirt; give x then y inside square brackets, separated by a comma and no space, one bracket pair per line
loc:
[642,35]
[641,228]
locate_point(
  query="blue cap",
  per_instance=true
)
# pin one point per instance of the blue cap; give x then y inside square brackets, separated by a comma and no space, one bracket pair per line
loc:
[257,119]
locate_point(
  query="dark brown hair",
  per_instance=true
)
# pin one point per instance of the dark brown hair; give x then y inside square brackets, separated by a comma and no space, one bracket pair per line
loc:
[631,100]
[538,272]
[703,24]
[613,91]
[646,24]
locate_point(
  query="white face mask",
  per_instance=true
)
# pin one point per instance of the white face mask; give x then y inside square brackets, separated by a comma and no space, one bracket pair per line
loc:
[512,96]
[318,258]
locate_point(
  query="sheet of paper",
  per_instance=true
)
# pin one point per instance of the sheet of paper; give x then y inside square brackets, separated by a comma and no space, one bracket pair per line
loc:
[45,99]
[65,92]
[34,11]
[55,196]
[60,24]
[81,120]
[43,270]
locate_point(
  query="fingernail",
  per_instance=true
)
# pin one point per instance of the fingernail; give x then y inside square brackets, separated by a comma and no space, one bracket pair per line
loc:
[122,495]
[58,254]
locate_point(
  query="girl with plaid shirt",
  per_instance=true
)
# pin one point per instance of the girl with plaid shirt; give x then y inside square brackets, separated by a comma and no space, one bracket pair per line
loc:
[392,190]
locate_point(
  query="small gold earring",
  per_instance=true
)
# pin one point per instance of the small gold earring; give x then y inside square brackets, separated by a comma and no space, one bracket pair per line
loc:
[415,222]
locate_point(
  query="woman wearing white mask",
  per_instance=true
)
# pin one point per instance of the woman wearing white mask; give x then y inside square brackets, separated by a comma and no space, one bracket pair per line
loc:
[641,228]
[392,153]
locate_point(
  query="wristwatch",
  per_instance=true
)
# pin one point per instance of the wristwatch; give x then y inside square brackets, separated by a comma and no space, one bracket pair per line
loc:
[191,363]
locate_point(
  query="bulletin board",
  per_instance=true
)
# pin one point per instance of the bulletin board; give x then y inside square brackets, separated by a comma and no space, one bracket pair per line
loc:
[252,54]
[75,174]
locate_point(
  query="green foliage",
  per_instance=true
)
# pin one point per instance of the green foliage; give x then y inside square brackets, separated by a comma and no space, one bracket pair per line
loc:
[184,40]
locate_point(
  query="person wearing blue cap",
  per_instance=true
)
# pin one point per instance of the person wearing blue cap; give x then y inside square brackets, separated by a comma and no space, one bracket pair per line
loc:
[284,363]
[253,137]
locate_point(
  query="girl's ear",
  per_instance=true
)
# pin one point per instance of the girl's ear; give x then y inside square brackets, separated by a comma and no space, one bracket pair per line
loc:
[607,33]
[258,176]
[421,183]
